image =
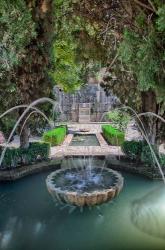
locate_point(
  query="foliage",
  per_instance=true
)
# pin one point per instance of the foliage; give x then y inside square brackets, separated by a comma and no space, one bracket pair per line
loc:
[7,124]
[140,150]
[133,149]
[76,51]
[67,73]
[162,160]
[25,43]
[15,157]
[113,135]
[55,136]
[17,29]
[143,53]
[161,19]
[118,119]
[63,126]
[133,35]
[147,156]
[91,33]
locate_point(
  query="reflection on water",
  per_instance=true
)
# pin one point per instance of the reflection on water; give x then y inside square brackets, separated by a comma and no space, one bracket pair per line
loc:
[29,219]
[6,236]
[148,212]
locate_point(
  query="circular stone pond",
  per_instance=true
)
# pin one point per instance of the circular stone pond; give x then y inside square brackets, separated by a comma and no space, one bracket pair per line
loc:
[84,185]
[31,220]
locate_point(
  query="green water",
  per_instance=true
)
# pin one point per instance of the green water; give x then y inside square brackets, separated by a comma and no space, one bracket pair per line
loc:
[85,140]
[30,220]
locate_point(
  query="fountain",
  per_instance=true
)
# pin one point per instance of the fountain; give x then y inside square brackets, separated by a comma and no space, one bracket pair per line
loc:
[84,186]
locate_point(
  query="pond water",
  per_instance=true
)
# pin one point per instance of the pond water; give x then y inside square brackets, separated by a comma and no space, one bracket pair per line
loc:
[30,220]
[85,140]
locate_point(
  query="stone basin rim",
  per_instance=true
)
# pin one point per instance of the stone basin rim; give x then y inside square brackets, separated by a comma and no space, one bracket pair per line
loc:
[118,183]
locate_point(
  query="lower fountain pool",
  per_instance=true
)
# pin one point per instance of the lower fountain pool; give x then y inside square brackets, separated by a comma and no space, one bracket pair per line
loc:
[31,220]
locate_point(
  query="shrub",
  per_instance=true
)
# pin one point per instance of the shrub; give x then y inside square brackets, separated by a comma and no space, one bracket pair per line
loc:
[146,155]
[119,119]
[63,125]
[139,150]
[39,150]
[133,149]
[55,136]
[7,126]
[162,160]
[15,157]
[113,135]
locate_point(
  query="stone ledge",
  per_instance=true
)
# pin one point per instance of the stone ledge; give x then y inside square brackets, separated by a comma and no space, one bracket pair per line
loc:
[112,161]
[17,173]
[133,168]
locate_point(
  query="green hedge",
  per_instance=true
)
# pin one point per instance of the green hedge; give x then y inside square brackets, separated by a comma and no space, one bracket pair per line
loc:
[55,136]
[133,149]
[162,160]
[148,159]
[139,150]
[63,126]
[146,155]
[15,157]
[113,135]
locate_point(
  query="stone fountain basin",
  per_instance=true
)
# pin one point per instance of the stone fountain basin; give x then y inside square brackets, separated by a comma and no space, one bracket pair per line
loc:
[90,198]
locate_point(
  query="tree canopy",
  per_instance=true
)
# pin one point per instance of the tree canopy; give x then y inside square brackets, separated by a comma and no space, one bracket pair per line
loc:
[17,30]
[131,36]
[62,42]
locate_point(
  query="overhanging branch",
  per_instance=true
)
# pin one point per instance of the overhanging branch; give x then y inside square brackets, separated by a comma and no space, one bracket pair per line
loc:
[145,5]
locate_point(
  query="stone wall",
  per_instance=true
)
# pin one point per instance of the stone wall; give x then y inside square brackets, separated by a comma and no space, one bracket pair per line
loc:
[90,93]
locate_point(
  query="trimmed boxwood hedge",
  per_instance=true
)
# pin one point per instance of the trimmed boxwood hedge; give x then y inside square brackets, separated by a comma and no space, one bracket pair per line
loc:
[55,136]
[113,135]
[14,157]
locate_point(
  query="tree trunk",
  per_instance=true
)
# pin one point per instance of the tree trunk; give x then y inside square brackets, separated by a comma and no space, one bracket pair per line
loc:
[149,104]
[24,138]
[32,75]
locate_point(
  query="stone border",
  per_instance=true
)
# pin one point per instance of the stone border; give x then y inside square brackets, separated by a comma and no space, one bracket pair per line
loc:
[68,140]
[86,198]
[17,173]
[132,167]
[112,161]
[101,140]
